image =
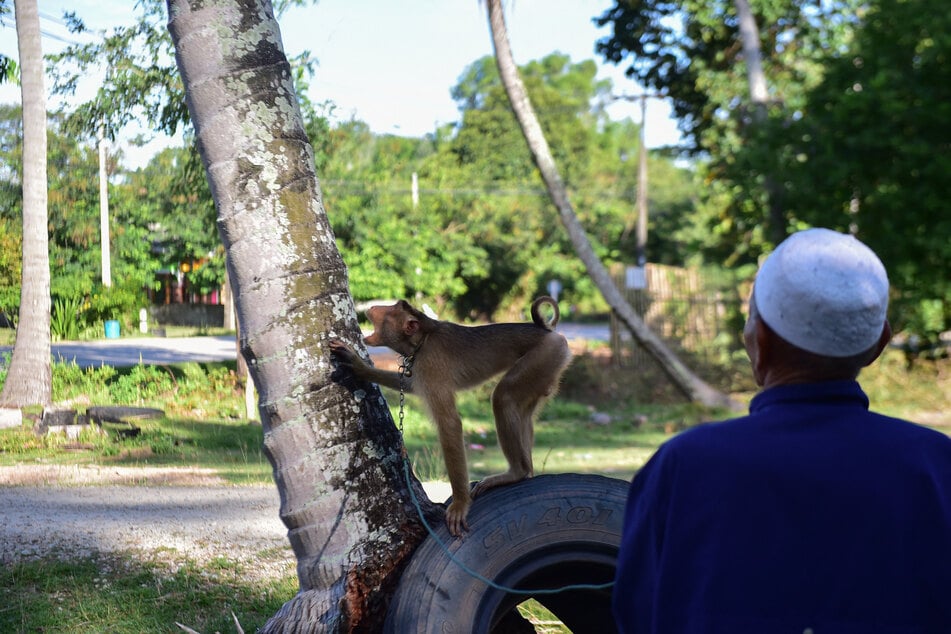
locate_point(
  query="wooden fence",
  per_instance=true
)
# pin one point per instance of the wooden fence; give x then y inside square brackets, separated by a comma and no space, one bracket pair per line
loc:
[690,313]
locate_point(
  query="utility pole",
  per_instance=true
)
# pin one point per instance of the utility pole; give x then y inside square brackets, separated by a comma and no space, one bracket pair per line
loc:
[642,190]
[642,184]
[104,209]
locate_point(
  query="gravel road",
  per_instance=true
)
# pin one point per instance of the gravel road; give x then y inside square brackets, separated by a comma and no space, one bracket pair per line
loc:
[175,513]
[170,514]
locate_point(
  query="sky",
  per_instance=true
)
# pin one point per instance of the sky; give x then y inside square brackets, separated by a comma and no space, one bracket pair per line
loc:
[393,63]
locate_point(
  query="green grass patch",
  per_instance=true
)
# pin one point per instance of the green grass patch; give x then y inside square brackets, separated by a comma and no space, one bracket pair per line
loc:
[136,593]
[203,424]
[914,391]
[567,439]
[541,618]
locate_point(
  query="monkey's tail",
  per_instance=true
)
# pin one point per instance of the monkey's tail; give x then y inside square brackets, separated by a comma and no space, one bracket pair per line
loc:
[537,316]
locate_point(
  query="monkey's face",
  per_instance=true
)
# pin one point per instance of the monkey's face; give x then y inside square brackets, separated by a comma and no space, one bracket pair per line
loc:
[392,325]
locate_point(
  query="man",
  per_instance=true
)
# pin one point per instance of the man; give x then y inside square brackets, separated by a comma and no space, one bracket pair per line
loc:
[811,515]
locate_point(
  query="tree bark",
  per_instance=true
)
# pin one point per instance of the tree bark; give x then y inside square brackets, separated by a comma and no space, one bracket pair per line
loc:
[335,452]
[29,378]
[759,98]
[691,385]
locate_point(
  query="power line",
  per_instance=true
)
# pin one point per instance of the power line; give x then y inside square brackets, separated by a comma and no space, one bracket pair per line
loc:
[51,18]
[10,22]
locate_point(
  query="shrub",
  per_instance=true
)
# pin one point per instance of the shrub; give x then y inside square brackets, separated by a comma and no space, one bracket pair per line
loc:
[66,318]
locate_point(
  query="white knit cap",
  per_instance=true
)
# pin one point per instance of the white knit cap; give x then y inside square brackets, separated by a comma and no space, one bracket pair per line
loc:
[824,292]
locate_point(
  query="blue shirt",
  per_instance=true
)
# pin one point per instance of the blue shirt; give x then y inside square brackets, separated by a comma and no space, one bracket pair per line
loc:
[811,514]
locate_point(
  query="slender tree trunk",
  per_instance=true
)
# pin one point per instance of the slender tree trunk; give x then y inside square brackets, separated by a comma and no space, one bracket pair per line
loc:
[29,379]
[335,451]
[759,98]
[691,385]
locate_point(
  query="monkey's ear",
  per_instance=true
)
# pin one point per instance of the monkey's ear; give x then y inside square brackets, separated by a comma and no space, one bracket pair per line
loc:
[410,327]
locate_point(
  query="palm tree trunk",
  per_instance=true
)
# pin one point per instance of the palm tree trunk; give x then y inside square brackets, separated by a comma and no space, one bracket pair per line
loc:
[759,98]
[29,378]
[690,384]
[335,452]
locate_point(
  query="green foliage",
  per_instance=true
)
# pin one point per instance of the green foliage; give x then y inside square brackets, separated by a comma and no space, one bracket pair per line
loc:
[182,389]
[9,69]
[175,221]
[203,423]
[65,320]
[482,240]
[71,381]
[484,237]
[855,137]
[691,52]
[143,82]
[872,154]
[160,217]
[142,384]
[9,269]
[120,302]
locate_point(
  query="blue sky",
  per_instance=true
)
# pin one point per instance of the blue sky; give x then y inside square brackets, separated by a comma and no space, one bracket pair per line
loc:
[392,63]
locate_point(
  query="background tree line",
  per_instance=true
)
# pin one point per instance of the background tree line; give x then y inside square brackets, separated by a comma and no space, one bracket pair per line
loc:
[855,138]
[479,241]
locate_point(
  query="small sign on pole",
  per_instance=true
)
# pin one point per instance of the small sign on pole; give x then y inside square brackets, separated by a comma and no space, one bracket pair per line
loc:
[635,278]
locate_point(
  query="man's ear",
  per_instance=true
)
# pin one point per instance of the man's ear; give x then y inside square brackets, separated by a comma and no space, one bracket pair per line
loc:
[883,340]
[764,350]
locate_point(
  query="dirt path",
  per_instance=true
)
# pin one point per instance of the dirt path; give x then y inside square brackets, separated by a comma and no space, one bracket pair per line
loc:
[177,513]
[171,514]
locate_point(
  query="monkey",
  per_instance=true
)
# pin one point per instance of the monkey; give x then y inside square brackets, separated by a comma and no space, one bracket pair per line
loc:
[444,358]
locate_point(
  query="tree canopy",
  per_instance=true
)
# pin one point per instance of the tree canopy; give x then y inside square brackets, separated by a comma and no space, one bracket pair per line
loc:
[479,239]
[855,137]
[483,236]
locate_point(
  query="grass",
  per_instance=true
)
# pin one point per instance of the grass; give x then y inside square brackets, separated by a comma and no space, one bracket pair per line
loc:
[606,421]
[135,593]
[566,438]
[229,448]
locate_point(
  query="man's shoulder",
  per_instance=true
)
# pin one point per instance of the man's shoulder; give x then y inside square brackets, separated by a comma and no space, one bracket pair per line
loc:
[706,437]
[912,431]
[752,431]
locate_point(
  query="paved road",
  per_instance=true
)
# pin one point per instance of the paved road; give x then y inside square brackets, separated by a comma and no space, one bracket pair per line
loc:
[161,350]
[149,351]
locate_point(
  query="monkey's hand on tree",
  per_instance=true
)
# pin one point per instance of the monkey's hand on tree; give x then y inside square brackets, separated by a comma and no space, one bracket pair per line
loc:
[347,356]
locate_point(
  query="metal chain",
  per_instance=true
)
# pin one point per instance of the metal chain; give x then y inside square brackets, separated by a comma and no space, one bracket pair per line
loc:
[406,371]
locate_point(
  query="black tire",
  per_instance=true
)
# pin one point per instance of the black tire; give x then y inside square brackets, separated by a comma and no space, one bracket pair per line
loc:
[543,533]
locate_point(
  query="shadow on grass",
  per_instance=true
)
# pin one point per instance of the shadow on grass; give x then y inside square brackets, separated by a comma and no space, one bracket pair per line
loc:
[233,449]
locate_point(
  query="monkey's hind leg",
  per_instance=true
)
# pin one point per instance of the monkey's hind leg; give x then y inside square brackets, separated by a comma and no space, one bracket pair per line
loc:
[517,397]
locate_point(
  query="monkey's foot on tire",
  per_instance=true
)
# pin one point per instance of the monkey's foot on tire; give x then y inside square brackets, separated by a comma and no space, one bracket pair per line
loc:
[500,479]
[456,514]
